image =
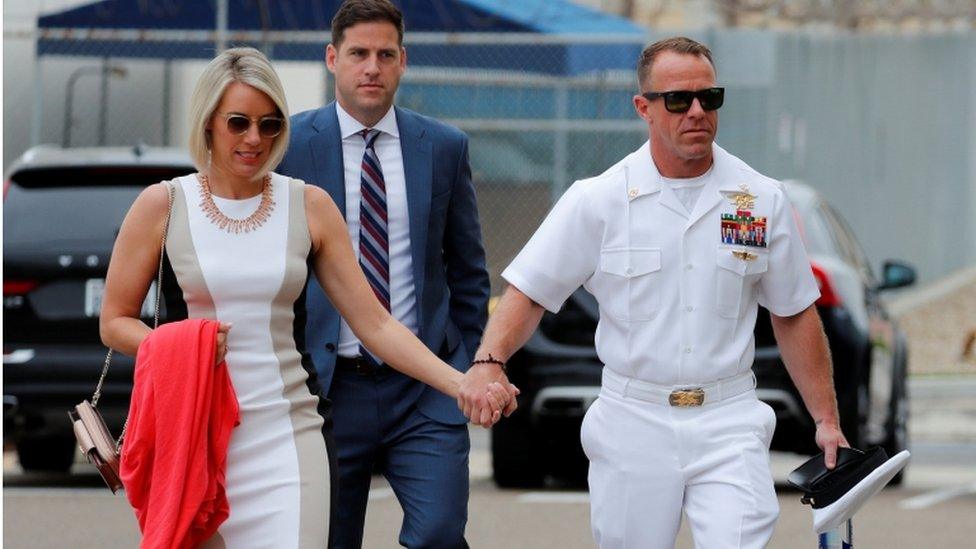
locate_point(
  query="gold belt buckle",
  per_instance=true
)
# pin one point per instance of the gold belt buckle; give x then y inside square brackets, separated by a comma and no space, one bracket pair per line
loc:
[687,398]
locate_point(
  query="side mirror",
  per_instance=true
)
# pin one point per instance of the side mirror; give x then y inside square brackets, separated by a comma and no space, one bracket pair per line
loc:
[897,275]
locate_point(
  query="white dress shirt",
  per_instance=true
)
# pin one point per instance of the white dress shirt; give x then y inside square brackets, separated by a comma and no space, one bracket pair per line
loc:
[403,302]
[677,299]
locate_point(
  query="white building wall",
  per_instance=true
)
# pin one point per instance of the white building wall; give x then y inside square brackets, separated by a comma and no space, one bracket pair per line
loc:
[135,109]
[19,22]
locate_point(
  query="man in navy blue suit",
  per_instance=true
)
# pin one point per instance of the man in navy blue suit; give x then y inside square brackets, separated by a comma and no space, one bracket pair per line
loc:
[404,183]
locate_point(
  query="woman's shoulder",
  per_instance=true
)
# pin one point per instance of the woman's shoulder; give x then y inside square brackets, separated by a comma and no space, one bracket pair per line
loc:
[149,211]
[155,197]
[315,197]
[313,193]
[293,182]
[321,213]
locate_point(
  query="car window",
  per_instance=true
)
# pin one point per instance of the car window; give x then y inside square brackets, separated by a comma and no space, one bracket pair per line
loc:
[850,247]
[815,232]
[63,205]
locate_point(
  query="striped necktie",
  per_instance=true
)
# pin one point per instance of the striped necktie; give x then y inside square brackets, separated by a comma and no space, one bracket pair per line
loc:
[374,247]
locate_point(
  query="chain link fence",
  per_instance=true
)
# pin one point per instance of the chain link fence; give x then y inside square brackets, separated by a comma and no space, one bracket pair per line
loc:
[884,125]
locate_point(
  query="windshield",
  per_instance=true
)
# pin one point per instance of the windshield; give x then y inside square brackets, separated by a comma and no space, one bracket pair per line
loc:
[814,231]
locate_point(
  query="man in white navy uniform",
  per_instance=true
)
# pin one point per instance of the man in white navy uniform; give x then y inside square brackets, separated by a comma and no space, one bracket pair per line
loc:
[678,242]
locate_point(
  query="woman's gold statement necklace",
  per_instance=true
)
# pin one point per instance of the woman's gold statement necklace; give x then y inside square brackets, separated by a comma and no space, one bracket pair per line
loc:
[235,226]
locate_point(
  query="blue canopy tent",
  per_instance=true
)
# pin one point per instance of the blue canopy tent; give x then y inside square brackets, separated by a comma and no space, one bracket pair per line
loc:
[524,77]
[297,30]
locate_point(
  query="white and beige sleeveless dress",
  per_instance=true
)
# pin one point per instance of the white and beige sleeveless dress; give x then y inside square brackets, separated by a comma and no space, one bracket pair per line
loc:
[279,479]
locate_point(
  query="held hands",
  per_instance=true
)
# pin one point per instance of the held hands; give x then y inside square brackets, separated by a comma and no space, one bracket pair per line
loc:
[221,350]
[485,394]
[828,438]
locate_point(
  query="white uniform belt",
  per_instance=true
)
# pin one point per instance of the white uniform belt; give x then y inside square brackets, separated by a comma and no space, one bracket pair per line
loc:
[684,395]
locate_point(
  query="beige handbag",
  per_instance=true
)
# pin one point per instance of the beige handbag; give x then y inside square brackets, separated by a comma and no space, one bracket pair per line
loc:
[94,438]
[96,442]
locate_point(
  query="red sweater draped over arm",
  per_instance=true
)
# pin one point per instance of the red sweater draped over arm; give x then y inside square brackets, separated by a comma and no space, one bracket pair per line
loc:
[174,456]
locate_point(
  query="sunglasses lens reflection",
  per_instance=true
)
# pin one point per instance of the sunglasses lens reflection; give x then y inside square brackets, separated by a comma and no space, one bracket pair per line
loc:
[270,127]
[238,124]
[267,127]
[711,98]
[679,101]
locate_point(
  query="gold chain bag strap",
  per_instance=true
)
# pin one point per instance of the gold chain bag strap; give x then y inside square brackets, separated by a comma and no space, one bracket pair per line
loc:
[94,438]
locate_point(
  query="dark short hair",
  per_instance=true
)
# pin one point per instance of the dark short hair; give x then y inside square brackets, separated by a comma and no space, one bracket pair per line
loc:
[676,44]
[352,12]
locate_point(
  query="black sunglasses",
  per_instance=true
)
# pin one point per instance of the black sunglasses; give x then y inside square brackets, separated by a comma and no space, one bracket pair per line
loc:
[680,100]
[268,126]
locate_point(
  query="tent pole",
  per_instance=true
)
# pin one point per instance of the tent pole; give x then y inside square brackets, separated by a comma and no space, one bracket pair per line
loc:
[560,154]
[38,113]
[103,105]
[221,26]
[167,92]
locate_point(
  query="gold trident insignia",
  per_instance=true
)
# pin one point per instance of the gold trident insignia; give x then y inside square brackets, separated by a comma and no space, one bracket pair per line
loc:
[743,200]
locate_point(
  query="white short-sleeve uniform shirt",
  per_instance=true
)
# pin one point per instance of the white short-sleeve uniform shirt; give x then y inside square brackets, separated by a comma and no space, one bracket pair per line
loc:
[677,290]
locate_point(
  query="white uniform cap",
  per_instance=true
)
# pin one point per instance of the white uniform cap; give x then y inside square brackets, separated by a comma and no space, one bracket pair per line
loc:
[837,513]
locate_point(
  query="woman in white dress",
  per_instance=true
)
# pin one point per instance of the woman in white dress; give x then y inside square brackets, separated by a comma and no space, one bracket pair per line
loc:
[240,246]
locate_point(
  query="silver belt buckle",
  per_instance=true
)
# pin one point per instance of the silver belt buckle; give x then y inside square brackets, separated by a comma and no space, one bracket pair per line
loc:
[687,398]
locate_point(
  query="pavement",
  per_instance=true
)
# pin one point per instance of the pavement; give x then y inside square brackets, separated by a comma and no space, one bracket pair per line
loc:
[939,320]
[934,508]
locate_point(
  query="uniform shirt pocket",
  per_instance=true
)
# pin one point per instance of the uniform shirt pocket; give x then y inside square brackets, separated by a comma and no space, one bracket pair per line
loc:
[737,276]
[632,282]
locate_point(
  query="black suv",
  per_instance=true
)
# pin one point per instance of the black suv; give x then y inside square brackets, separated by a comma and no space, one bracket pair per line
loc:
[558,370]
[62,211]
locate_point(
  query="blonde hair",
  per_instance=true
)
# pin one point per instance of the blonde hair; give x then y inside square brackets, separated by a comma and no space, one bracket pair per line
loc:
[247,66]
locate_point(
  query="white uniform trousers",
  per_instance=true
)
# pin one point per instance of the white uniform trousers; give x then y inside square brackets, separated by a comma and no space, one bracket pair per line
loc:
[649,461]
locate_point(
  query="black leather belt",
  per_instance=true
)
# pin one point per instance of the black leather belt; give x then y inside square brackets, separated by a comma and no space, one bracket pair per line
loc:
[361,366]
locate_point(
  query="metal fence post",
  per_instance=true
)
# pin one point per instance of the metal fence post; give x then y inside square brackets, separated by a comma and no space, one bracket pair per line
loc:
[38,113]
[103,103]
[560,153]
[167,95]
[221,25]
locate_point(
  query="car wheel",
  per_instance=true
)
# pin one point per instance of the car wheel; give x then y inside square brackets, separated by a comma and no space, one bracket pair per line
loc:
[48,453]
[896,439]
[571,464]
[515,454]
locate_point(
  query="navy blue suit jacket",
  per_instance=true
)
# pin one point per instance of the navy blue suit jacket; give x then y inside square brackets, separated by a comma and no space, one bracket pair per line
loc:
[450,278]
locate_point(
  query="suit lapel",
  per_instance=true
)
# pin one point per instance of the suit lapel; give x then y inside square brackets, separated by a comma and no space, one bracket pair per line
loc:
[325,148]
[418,171]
